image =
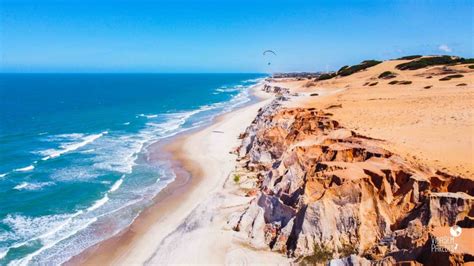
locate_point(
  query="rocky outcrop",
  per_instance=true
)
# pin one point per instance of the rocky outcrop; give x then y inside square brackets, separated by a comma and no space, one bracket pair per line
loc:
[275,89]
[323,189]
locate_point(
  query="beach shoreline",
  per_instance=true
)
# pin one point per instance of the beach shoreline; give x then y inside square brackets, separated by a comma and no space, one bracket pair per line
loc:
[247,191]
[175,202]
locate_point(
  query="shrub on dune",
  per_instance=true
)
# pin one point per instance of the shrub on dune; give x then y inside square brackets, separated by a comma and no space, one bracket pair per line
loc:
[326,76]
[346,71]
[451,77]
[236,178]
[409,57]
[429,61]
[467,60]
[341,69]
[401,82]
[387,75]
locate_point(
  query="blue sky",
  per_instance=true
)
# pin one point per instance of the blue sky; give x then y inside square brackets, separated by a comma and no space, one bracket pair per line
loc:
[225,36]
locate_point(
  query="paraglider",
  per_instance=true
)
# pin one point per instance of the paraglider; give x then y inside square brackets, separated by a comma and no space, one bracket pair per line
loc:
[268,54]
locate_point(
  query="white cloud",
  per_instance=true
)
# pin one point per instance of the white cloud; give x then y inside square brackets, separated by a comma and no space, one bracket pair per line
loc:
[445,48]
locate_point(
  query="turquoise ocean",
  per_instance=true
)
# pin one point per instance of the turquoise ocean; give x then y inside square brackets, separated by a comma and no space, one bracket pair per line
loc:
[74,168]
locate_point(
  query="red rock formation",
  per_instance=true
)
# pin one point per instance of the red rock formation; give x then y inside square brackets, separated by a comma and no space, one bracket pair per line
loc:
[323,186]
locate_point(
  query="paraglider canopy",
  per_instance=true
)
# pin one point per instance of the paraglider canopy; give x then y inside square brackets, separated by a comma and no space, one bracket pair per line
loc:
[269,51]
[268,54]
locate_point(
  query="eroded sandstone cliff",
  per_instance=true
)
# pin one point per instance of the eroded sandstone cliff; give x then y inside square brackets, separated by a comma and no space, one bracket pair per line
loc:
[323,192]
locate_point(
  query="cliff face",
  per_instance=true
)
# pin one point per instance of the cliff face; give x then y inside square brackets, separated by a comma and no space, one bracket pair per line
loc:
[324,191]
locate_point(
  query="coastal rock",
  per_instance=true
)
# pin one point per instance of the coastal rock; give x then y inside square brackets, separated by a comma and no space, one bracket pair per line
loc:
[324,189]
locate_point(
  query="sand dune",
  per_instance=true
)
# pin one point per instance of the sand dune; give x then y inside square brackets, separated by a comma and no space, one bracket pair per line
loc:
[433,126]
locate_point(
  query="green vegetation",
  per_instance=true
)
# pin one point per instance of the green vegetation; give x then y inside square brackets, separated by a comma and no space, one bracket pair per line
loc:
[347,250]
[429,61]
[401,82]
[346,71]
[467,60]
[321,255]
[471,66]
[342,68]
[455,76]
[387,75]
[236,178]
[326,76]
[409,57]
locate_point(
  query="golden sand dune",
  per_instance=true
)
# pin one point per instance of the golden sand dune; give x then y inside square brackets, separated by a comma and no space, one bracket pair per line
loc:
[429,121]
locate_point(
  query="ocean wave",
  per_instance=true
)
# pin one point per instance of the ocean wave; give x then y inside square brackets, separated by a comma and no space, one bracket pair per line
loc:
[52,240]
[69,136]
[88,151]
[69,147]
[117,184]
[3,252]
[147,116]
[255,80]
[99,203]
[229,89]
[25,169]
[3,175]
[27,229]
[117,153]
[32,186]
[74,173]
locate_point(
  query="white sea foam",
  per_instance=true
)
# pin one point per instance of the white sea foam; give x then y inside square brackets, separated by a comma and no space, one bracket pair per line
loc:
[255,80]
[88,151]
[69,136]
[3,175]
[74,173]
[27,229]
[69,147]
[99,203]
[25,169]
[54,238]
[231,89]
[116,185]
[3,252]
[148,116]
[32,186]
[126,123]
[118,153]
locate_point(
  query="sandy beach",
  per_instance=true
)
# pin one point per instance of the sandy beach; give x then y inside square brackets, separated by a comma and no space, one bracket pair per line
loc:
[182,211]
